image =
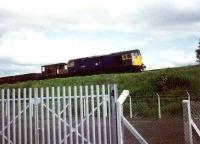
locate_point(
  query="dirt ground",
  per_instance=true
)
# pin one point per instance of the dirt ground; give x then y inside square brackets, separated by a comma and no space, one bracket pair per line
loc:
[164,131]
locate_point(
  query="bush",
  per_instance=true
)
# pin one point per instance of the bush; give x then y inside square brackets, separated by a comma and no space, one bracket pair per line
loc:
[166,83]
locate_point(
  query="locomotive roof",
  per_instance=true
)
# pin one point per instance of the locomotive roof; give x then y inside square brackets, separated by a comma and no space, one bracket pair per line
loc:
[112,54]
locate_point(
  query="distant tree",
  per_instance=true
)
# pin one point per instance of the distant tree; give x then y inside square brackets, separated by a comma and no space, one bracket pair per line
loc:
[198,53]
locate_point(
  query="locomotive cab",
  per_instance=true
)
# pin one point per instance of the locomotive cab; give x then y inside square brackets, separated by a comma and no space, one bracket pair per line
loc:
[133,59]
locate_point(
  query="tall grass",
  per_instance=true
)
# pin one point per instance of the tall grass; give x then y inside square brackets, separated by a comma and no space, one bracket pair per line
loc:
[147,82]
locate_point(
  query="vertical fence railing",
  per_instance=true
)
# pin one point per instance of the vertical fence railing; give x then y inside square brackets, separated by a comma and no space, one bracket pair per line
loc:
[93,116]
[81,113]
[98,114]
[64,115]
[2,121]
[113,100]
[13,116]
[187,122]
[19,116]
[36,102]
[47,112]
[42,115]
[8,115]
[30,116]
[24,113]
[87,115]
[130,107]
[70,113]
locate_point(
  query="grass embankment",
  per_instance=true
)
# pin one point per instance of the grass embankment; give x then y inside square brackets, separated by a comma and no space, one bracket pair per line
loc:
[171,81]
[148,82]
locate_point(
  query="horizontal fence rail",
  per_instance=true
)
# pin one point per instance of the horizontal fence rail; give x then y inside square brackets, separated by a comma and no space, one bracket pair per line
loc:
[78,114]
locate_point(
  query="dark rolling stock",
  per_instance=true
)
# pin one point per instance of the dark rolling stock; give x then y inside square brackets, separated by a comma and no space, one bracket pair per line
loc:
[53,70]
[126,61]
[26,77]
[129,61]
[21,78]
[8,79]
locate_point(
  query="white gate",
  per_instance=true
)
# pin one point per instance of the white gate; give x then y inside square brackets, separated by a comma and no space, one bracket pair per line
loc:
[57,115]
[61,115]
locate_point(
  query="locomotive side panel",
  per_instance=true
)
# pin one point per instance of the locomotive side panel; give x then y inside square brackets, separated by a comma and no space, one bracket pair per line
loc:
[101,64]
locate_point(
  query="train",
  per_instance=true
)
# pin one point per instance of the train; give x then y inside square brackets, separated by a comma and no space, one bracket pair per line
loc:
[120,62]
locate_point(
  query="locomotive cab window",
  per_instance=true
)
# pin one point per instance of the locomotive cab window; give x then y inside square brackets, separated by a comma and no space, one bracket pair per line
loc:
[126,56]
[137,53]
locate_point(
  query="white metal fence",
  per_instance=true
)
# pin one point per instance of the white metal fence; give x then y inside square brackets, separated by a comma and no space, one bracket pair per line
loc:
[84,114]
[191,120]
[51,116]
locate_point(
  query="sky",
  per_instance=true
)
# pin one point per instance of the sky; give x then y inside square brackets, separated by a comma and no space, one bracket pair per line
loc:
[38,32]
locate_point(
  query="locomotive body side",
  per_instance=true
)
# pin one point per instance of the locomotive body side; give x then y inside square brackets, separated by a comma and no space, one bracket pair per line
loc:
[93,65]
[128,61]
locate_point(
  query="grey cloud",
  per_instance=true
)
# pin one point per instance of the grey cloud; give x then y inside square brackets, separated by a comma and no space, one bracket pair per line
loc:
[9,66]
[6,22]
[168,16]
[14,21]
[158,16]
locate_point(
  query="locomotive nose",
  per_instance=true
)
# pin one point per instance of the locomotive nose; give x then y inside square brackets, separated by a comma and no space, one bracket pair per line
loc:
[137,60]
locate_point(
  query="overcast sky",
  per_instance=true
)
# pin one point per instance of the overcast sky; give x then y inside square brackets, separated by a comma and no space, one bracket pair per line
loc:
[36,32]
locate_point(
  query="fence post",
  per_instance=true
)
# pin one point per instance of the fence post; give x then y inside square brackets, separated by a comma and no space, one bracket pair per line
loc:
[36,125]
[159,109]
[113,99]
[187,122]
[84,107]
[130,107]
[2,115]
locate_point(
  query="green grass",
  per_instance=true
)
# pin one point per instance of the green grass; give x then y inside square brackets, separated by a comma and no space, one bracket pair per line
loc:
[147,82]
